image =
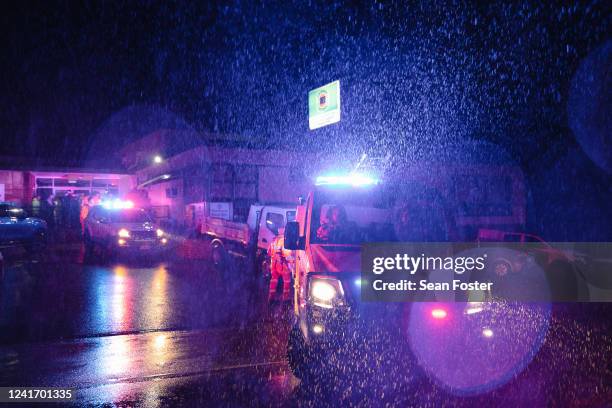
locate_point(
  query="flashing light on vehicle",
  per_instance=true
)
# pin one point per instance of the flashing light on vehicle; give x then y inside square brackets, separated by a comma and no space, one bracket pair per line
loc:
[117,204]
[355,180]
[165,176]
[121,241]
[438,313]
[123,233]
[326,292]
[160,233]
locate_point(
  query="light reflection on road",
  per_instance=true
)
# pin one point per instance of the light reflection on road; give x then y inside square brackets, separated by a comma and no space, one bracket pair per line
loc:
[156,298]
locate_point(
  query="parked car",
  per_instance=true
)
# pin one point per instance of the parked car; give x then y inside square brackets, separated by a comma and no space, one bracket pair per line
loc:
[123,230]
[561,266]
[17,229]
[530,246]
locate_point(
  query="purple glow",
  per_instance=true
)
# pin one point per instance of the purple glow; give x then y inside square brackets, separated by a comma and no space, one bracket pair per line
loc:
[476,352]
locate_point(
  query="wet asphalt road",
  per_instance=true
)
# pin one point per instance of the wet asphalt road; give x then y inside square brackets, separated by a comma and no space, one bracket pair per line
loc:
[169,333]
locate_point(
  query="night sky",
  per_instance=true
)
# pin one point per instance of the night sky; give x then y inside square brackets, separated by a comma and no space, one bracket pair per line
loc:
[410,73]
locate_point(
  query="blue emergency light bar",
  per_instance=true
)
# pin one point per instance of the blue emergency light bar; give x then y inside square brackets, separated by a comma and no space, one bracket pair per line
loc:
[355,180]
[117,204]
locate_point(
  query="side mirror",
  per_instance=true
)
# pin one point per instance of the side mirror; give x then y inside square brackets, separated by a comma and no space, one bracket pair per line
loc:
[292,236]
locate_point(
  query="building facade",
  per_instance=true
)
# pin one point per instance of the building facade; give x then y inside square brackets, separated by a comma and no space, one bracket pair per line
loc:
[213,173]
[21,186]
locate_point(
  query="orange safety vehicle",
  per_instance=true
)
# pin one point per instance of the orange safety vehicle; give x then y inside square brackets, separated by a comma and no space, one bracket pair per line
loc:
[343,212]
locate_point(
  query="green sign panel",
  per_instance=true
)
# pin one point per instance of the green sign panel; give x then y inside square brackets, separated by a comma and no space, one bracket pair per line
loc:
[324,105]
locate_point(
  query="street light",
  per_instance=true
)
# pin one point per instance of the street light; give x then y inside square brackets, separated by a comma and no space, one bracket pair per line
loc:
[157,159]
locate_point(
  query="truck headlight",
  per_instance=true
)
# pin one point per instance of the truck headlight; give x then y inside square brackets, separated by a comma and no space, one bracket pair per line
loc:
[326,292]
[123,233]
[160,233]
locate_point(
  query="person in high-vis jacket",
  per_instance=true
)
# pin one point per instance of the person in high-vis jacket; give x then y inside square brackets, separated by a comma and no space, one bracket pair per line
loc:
[280,267]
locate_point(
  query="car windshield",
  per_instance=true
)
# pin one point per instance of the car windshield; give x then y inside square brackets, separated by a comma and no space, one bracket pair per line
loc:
[129,216]
[404,212]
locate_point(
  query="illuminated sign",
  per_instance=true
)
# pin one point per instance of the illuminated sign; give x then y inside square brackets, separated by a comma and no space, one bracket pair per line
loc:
[324,105]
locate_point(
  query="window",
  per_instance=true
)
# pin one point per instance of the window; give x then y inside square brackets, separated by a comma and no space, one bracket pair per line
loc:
[245,174]
[512,238]
[274,221]
[221,182]
[44,182]
[172,192]
[128,216]
[101,183]
[44,192]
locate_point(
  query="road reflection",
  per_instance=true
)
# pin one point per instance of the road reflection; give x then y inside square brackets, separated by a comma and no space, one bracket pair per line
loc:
[157,305]
[127,299]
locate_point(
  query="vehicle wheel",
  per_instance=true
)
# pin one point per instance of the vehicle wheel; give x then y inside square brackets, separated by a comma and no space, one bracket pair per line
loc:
[299,356]
[501,268]
[36,247]
[218,254]
[110,253]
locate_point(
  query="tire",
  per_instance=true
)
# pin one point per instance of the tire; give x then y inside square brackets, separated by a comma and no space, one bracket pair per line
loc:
[36,246]
[217,254]
[109,253]
[501,268]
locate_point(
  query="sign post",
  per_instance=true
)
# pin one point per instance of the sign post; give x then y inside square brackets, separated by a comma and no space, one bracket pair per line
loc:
[324,105]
